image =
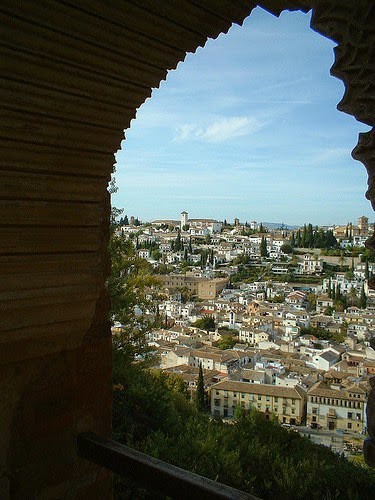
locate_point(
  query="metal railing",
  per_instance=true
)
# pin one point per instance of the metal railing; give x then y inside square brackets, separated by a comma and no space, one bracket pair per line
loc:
[151,473]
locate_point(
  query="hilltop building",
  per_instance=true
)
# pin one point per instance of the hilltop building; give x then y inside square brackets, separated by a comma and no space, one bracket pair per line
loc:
[200,226]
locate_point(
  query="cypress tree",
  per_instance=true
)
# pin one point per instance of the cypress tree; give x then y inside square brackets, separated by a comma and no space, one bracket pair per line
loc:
[263,247]
[298,239]
[363,299]
[199,394]
[292,240]
[178,244]
[310,236]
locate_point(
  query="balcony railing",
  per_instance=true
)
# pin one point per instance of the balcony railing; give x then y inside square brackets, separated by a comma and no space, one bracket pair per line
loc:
[151,473]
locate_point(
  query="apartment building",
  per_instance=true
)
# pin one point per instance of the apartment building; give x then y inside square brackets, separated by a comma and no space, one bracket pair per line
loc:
[252,336]
[336,407]
[203,288]
[286,403]
[310,265]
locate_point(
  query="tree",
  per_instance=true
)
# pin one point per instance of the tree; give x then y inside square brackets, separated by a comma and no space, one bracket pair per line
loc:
[178,245]
[199,394]
[205,323]
[135,295]
[363,298]
[342,259]
[292,240]
[263,247]
[311,299]
[156,254]
[227,342]
[126,220]
[286,248]
[353,296]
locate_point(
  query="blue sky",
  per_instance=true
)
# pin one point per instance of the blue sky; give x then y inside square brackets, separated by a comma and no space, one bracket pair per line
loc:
[247,127]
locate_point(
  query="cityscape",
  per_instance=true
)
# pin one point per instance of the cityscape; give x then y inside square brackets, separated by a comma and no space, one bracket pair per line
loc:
[278,319]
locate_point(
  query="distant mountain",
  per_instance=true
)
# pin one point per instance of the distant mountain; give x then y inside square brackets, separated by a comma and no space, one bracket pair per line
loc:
[276,225]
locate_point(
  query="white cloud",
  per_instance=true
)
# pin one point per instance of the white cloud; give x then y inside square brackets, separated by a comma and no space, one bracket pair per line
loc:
[220,130]
[329,156]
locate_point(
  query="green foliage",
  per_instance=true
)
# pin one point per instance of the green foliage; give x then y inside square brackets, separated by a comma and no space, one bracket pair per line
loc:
[164,269]
[263,247]
[135,294]
[311,300]
[323,334]
[152,414]
[241,259]
[278,298]
[286,248]
[199,394]
[311,237]
[363,298]
[247,274]
[205,323]
[328,311]
[227,342]
[368,255]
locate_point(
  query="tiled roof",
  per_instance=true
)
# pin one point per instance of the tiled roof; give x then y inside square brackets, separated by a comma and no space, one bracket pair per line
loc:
[321,389]
[268,390]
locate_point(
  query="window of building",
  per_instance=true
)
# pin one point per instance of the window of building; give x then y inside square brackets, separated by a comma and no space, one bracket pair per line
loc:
[259,398]
[217,402]
[349,425]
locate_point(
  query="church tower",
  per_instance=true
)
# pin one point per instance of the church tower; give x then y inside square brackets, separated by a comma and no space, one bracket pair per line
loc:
[184,219]
[363,225]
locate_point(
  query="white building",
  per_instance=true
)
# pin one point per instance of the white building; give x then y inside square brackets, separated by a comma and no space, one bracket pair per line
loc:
[251,336]
[310,265]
